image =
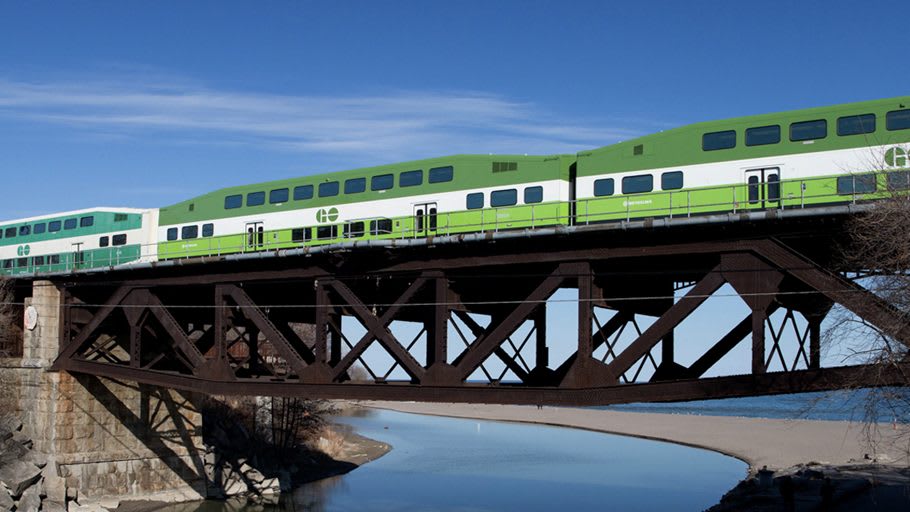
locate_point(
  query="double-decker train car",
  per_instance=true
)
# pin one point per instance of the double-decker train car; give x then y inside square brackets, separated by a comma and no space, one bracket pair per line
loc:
[423,198]
[78,240]
[811,158]
[798,159]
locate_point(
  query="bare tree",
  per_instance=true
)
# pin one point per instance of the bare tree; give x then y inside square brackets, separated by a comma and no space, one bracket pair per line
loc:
[879,247]
[10,320]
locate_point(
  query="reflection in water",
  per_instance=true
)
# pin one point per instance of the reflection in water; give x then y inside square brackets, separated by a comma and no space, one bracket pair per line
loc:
[453,465]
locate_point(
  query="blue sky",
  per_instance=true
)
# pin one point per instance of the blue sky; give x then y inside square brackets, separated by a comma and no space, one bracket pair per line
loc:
[147,103]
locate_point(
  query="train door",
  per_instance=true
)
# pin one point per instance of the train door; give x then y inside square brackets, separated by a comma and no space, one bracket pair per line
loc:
[763,187]
[255,237]
[78,256]
[425,219]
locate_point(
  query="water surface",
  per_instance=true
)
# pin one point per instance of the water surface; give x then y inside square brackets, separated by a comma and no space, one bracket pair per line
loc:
[460,465]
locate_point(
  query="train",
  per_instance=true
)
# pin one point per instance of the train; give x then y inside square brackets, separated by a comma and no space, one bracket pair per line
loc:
[811,158]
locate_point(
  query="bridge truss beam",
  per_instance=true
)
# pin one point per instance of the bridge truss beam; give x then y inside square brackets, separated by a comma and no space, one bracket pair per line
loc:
[279,331]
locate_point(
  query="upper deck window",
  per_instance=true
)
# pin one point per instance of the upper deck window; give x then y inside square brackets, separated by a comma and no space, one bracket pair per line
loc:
[382,182]
[328,189]
[70,224]
[898,119]
[410,178]
[809,130]
[762,135]
[86,222]
[355,185]
[189,232]
[255,198]
[54,226]
[10,232]
[279,195]
[856,125]
[40,228]
[303,192]
[25,230]
[441,174]
[231,202]
[718,140]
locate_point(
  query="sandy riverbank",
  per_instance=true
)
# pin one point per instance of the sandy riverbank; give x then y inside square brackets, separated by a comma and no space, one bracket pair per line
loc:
[778,444]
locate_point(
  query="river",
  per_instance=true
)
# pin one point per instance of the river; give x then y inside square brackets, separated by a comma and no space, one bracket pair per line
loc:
[457,465]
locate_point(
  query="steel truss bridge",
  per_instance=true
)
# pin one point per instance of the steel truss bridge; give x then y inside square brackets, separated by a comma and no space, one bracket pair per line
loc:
[273,326]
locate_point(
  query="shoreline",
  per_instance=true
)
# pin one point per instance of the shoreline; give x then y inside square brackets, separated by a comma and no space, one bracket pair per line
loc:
[777,444]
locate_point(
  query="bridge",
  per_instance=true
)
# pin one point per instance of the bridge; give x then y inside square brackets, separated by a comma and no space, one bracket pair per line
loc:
[271,324]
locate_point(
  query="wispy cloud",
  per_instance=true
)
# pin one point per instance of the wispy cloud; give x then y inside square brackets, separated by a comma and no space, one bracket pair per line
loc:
[389,126]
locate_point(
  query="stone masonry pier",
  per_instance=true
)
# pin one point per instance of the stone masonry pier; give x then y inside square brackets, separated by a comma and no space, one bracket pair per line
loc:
[106,438]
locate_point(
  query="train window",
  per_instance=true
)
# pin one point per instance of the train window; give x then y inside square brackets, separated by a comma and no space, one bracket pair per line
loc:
[70,224]
[104,241]
[474,201]
[328,189]
[671,180]
[897,119]
[355,185]
[718,140]
[762,135]
[118,240]
[637,184]
[208,230]
[603,187]
[172,234]
[297,235]
[326,232]
[10,232]
[506,197]
[279,195]
[858,184]
[54,259]
[380,226]
[382,182]
[189,232]
[255,198]
[809,130]
[353,229]
[533,195]
[441,174]
[410,178]
[53,226]
[303,192]
[773,181]
[899,180]
[40,228]
[7,263]
[25,230]
[86,222]
[231,202]
[856,125]
[22,263]
[120,217]
[38,260]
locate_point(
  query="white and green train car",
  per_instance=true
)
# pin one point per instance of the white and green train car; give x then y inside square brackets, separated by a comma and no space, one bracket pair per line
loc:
[424,198]
[76,241]
[799,159]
